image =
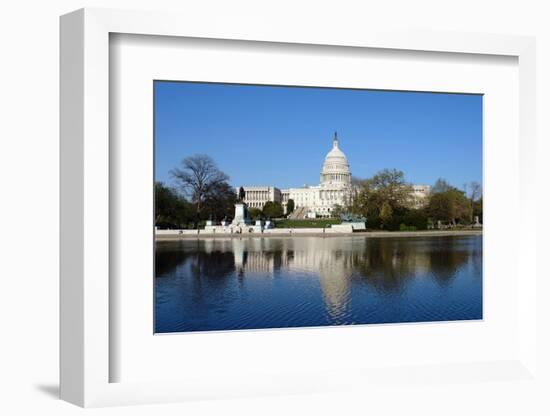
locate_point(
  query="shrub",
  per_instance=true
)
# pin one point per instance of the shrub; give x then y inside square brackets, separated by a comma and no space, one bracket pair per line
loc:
[416,218]
[403,227]
[373,222]
[273,209]
[255,214]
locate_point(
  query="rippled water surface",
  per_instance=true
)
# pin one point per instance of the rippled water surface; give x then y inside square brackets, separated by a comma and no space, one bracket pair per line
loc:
[250,283]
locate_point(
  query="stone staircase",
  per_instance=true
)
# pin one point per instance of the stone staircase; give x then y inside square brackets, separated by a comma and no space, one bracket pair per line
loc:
[298,214]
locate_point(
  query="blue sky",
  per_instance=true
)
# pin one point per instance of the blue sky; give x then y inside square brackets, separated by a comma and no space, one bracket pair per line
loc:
[279,136]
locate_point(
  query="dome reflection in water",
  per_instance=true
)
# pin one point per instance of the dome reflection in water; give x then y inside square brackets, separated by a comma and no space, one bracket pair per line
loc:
[253,283]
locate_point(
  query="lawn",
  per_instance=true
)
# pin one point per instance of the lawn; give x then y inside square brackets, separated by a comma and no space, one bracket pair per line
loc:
[311,223]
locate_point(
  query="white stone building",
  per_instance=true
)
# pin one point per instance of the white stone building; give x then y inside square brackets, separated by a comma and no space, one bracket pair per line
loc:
[420,194]
[335,189]
[313,201]
[257,196]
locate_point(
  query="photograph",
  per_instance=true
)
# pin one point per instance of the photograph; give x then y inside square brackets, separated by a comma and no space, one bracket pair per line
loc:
[302,207]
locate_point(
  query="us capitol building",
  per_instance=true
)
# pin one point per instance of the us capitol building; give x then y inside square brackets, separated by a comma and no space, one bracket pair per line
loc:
[335,189]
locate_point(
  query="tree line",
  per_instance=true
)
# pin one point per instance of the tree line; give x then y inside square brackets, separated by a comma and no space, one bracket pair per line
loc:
[271,209]
[202,191]
[387,201]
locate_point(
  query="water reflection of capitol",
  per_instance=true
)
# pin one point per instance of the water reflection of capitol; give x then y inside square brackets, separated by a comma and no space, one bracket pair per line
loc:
[334,261]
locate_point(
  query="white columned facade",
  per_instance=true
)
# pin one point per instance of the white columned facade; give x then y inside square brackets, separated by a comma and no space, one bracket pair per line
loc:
[335,189]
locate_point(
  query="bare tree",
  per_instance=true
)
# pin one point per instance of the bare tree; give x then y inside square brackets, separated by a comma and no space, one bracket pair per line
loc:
[440,186]
[474,191]
[199,177]
[474,195]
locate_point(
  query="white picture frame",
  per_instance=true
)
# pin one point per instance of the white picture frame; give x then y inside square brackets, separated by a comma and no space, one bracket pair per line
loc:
[86,265]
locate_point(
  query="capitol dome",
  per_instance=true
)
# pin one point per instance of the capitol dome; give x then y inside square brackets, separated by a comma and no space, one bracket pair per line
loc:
[336,167]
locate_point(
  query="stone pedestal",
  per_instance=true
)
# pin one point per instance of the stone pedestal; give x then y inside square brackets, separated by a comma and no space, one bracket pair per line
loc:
[241,214]
[476,222]
[258,227]
[358,226]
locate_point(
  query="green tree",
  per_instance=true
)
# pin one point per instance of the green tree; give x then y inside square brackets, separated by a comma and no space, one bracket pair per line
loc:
[387,187]
[290,206]
[255,214]
[391,186]
[164,202]
[273,209]
[386,214]
[450,206]
[171,209]
[440,207]
[416,218]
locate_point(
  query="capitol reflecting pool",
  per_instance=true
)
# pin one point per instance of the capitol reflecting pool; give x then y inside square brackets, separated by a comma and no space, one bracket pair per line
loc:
[280,282]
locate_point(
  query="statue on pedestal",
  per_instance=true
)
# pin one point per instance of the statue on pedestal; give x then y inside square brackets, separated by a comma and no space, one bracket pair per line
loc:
[241,210]
[241,195]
